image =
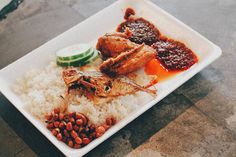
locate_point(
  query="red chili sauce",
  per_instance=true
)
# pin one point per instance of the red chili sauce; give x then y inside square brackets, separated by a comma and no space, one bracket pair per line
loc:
[142,30]
[174,55]
[128,13]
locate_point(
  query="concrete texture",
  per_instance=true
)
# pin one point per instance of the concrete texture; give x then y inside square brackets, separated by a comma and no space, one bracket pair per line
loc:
[11,144]
[198,119]
[191,134]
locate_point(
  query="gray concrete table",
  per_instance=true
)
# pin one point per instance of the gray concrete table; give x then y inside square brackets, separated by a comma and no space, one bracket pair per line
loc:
[198,119]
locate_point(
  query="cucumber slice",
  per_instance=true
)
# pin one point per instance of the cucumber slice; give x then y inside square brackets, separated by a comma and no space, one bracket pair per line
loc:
[94,57]
[79,62]
[82,59]
[74,52]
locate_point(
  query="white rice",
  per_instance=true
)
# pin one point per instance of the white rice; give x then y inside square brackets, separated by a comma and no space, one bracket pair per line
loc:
[40,90]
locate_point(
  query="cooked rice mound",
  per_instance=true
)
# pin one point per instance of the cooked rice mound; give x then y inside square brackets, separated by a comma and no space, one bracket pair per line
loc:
[40,91]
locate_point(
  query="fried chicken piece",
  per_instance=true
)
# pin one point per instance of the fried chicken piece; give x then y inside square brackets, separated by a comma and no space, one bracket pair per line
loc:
[111,45]
[128,61]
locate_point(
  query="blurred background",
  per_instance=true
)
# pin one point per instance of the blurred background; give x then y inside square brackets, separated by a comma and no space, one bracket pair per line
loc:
[198,119]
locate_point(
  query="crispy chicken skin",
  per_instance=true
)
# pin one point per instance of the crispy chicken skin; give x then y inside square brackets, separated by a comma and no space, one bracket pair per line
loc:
[128,61]
[111,45]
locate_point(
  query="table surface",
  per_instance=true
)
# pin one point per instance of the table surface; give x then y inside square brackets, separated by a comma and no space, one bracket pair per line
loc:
[197,119]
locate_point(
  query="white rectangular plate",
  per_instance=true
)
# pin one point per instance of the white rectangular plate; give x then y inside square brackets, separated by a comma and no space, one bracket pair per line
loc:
[89,30]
